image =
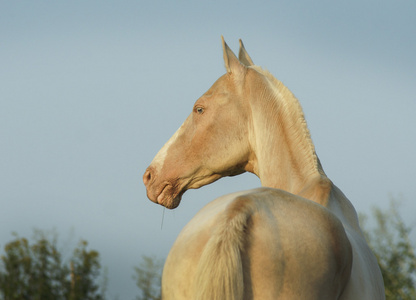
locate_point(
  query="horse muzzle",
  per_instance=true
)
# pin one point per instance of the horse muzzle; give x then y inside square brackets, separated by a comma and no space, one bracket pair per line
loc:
[165,193]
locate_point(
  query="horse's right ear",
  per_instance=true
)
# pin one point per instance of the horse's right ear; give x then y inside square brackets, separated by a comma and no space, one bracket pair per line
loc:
[243,55]
[232,64]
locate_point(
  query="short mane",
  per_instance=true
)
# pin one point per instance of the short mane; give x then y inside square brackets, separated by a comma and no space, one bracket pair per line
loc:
[292,108]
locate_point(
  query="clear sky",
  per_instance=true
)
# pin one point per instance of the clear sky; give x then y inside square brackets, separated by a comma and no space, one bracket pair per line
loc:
[90,90]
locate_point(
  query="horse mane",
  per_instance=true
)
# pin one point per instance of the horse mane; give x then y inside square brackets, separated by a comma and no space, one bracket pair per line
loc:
[290,108]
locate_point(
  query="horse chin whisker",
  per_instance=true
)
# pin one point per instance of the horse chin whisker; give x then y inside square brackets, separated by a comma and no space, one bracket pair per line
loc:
[163,217]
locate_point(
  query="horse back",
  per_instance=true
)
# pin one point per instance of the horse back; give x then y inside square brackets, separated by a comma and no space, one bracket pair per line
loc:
[260,244]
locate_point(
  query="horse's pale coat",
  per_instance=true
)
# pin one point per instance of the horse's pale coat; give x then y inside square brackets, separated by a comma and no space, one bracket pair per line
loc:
[298,237]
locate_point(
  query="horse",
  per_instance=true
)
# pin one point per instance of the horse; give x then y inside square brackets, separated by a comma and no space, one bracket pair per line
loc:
[296,237]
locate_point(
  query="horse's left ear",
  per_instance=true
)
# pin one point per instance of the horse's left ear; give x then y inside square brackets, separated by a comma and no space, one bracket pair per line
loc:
[232,64]
[243,55]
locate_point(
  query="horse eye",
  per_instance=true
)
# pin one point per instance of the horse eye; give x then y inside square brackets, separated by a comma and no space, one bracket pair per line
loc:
[199,110]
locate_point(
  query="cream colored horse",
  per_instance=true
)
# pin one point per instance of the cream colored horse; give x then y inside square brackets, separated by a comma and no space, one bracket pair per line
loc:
[297,237]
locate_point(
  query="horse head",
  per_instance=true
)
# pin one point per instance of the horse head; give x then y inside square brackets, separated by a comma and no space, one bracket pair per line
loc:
[213,142]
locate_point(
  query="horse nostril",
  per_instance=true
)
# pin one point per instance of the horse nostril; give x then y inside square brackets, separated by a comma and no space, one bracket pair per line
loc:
[147,177]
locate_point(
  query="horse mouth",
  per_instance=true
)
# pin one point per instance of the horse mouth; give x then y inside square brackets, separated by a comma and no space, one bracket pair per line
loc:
[169,197]
[169,193]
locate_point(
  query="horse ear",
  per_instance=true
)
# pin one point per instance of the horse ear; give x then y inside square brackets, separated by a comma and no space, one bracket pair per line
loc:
[243,55]
[232,64]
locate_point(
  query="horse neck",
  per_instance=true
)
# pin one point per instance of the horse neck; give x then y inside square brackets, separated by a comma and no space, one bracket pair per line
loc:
[283,151]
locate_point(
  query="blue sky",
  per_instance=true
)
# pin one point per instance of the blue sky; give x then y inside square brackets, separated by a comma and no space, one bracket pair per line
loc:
[89,92]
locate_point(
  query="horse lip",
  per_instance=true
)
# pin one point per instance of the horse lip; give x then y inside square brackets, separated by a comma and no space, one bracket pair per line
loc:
[161,196]
[169,196]
[169,193]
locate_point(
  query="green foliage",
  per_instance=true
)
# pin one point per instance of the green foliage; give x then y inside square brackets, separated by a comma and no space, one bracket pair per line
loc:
[36,271]
[148,278]
[395,253]
[85,268]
